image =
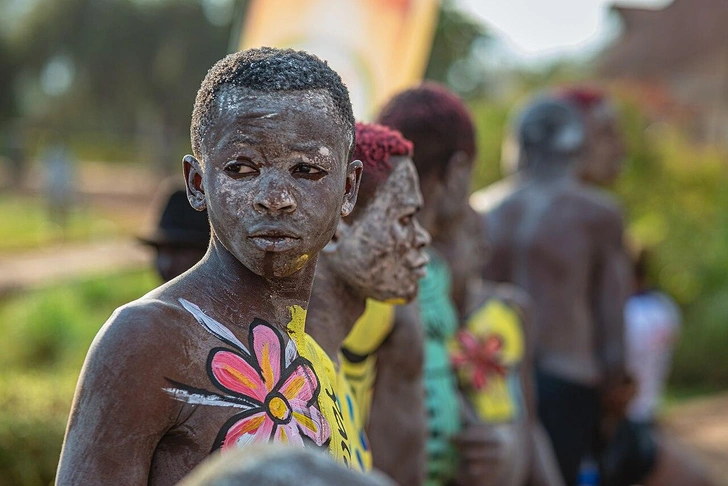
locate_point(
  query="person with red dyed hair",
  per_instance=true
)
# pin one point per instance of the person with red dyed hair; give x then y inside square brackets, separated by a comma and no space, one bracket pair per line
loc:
[482,428]
[634,450]
[377,253]
[604,152]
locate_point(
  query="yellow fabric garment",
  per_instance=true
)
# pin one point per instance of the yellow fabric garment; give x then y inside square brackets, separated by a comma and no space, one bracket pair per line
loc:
[348,443]
[359,361]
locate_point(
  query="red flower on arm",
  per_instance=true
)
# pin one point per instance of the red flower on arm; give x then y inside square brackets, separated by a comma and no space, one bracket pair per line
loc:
[478,359]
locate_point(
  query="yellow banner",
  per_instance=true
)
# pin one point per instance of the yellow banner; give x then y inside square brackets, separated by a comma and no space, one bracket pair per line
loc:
[379,47]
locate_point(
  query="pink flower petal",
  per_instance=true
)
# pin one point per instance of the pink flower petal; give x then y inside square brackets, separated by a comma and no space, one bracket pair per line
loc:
[235,374]
[267,345]
[288,434]
[248,430]
[302,383]
[310,421]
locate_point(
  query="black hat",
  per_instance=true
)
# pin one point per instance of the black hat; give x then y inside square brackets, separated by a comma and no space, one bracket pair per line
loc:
[179,224]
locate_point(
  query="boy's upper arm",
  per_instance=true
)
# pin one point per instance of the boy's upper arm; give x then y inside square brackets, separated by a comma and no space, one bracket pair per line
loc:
[612,287]
[119,411]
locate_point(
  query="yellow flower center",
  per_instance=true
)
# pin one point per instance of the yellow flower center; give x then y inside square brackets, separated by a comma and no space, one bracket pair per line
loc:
[278,408]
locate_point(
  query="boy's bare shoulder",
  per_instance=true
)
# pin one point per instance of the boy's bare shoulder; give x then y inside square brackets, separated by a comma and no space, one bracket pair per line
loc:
[149,324]
[599,202]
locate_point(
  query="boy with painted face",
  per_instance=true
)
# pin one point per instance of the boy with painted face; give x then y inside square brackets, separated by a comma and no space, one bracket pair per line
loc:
[376,253]
[218,358]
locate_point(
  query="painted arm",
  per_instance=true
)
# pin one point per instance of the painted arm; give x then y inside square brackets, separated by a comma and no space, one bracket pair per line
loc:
[397,426]
[612,287]
[119,411]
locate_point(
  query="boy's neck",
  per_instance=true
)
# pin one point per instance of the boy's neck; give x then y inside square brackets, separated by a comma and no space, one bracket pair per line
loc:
[335,308]
[236,290]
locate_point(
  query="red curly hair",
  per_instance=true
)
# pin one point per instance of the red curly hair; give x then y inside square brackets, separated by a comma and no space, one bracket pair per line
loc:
[436,120]
[375,144]
[583,98]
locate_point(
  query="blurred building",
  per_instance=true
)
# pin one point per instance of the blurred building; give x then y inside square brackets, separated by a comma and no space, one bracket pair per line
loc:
[678,54]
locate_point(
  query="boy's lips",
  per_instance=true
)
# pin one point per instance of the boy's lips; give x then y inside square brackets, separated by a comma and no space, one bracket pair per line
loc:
[274,240]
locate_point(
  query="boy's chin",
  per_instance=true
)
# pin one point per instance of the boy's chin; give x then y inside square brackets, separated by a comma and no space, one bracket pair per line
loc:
[276,265]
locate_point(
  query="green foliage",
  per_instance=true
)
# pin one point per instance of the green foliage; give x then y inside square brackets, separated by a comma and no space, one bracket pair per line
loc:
[675,199]
[33,412]
[27,224]
[44,336]
[53,327]
[135,65]
[453,50]
[490,121]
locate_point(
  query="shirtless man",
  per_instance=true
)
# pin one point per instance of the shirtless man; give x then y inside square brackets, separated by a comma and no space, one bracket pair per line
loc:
[561,241]
[218,358]
[376,253]
[659,460]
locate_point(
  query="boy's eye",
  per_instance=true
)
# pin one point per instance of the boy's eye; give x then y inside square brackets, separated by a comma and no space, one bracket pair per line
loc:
[405,220]
[308,171]
[240,168]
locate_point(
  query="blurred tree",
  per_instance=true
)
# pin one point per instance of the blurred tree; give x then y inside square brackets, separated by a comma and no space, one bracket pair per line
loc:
[7,68]
[457,49]
[118,66]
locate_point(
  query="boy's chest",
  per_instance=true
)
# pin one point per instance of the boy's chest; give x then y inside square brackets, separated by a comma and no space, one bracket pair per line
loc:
[266,387]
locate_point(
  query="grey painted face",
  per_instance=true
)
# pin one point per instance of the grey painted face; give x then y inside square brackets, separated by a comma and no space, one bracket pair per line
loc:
[381,253]
[275,178]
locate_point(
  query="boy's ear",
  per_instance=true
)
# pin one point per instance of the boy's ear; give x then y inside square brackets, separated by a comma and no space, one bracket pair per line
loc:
[458,169]
[353,178]
[193,181]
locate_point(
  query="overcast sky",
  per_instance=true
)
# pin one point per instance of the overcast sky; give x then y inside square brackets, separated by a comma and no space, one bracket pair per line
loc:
[540,30]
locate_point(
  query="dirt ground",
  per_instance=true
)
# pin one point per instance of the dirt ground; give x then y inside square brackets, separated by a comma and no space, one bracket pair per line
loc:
[702,426]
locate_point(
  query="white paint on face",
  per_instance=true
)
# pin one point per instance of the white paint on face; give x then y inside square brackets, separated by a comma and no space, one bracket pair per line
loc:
[324,151]
[382,254]
[285,186]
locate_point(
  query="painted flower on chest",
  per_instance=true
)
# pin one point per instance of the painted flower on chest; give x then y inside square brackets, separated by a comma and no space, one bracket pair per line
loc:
[477,358]
[276,388]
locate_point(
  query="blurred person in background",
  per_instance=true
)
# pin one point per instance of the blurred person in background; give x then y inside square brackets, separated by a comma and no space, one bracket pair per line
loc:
[632,449]
[60,177]
[493,355]
[461,448]
[182,234]
[561,241]
[423,115]
[637,451]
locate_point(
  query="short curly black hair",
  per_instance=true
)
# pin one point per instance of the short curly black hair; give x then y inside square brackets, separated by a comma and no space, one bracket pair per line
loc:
[268,69]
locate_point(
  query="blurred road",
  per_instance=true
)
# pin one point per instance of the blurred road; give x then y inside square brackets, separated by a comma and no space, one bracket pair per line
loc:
[56,263]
